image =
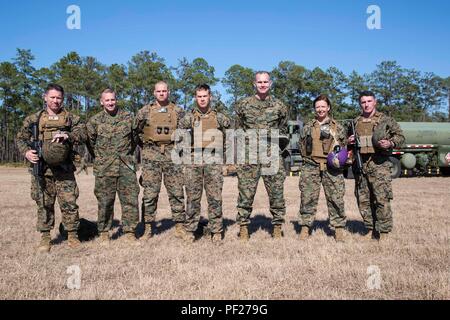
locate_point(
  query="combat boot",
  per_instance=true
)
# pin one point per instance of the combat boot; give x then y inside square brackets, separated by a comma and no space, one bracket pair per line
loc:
[188,237]
[72,239]
[339,235]
[179,230]
[277,231]
[304,233]
[103,238]
[243,233]
[148,232]
[383,236]
[130,238]
[44,244]
[216,238]
[368,236]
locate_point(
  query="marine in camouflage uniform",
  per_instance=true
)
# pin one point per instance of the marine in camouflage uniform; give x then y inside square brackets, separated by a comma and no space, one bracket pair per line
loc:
[261,113]
[378,134]
[320,137]
[111,139]
[208,173]
[59,129]
[157,163]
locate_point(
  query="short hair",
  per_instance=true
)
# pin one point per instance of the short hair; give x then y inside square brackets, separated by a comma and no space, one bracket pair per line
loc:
[322,97]
[107,90]
[54,86]
[262,72]
[366,93]
[203,86]
[162,82]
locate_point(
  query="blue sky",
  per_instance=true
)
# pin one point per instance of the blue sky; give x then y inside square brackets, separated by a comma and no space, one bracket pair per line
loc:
[256,34]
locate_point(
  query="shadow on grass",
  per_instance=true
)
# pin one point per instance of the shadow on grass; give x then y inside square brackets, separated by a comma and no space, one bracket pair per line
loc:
[87,231]
[203,229]
[352,226]
[262,222]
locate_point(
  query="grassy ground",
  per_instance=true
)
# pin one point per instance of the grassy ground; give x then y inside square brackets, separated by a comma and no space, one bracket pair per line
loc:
[413,264]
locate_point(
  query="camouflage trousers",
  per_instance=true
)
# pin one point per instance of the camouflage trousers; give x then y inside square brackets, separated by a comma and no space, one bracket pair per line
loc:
[248,178]
[208,176]
[153,173]
[373,191]
[62,185]
[334,188]
[126,186]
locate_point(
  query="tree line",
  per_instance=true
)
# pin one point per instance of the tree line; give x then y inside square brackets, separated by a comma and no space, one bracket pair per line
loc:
[406,94]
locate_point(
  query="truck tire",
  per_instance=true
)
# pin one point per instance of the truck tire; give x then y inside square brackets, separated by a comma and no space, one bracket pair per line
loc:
[396,170]
[445,172]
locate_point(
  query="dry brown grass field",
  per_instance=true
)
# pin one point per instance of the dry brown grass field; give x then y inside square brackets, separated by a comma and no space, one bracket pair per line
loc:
[412,264]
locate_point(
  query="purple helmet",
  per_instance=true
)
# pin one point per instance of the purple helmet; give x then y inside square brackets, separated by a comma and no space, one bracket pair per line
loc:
[337,160]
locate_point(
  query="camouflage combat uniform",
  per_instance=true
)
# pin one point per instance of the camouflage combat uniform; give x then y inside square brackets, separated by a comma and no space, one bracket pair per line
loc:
[252,113]
[156,164]
[315,172]
[205,175]
[112,140]
[58,181]
[373,189]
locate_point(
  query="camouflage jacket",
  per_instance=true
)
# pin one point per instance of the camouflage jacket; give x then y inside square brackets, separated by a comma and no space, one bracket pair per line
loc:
[76,132]
[339,135]
[386,128]
[151,151]
[112,141]
[252,113]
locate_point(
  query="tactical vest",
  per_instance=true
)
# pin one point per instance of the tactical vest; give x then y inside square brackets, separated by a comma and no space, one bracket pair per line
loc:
[54,153]
[161,124]
[322,147]
[365,128]
[209,125]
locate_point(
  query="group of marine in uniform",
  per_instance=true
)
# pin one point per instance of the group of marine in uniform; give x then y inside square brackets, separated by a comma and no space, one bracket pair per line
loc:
[112,135]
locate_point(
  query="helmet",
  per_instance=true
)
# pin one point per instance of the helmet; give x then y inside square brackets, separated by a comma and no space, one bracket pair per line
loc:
[55,153]
[337,158]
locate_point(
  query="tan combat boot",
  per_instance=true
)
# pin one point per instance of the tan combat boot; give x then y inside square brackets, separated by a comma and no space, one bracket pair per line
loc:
[384,236]
[103,238]
[304,233]
[148,232]
[243,233]
[44,244]
[339,235]
[130,237]
[72,239]
[368,236]
[277,231]
[179,230]
[216,238]
[188,237]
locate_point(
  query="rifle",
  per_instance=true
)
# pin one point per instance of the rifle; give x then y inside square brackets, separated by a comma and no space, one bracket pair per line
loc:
[36,145]
[356,151]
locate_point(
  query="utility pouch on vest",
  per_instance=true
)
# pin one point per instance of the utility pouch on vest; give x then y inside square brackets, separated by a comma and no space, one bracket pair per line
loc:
[326,138]
[160,126]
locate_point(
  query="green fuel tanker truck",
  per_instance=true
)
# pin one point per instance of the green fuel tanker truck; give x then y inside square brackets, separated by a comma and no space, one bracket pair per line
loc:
[426,150]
